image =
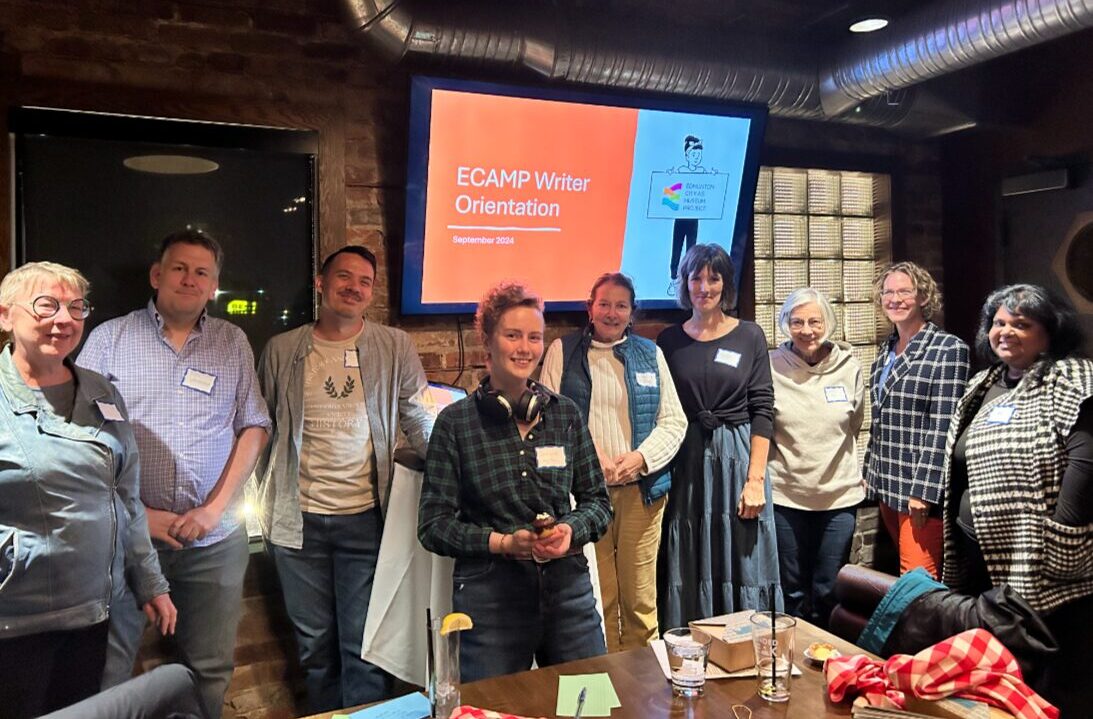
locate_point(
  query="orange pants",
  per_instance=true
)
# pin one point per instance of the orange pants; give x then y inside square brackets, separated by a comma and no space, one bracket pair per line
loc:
[918,547]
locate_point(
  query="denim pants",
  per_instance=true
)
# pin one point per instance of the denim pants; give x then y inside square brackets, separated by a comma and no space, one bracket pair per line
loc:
[812,547]
[327,584]
[522,611]
[207,588]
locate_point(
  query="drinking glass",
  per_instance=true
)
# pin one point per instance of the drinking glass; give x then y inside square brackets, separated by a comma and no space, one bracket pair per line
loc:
[688,653]
[773,644]
[443,671]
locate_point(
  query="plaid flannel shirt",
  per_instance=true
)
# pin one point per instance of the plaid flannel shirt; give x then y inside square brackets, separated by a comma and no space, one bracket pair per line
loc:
[481,476]
[911,415]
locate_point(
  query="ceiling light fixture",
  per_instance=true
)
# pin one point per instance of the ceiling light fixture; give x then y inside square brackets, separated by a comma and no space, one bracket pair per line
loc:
[869,24]
[170,164]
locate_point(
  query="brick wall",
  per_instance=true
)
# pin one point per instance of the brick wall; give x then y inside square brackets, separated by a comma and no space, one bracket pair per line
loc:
[295,64]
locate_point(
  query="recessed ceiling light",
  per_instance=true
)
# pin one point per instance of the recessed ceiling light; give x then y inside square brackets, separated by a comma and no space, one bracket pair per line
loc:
[869,24]
[170,164]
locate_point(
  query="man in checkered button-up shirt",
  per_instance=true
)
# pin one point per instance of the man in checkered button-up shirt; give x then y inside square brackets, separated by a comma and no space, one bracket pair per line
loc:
[200,422]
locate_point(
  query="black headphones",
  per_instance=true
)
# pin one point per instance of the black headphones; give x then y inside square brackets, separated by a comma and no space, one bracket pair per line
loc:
[495,405]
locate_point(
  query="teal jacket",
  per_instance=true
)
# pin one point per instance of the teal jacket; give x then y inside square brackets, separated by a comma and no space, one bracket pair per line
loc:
[63,487]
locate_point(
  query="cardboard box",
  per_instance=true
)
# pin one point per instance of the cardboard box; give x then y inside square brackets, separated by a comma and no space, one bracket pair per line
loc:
[731,648]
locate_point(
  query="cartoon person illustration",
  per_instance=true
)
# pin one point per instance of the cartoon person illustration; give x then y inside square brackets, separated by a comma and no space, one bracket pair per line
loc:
[685,230]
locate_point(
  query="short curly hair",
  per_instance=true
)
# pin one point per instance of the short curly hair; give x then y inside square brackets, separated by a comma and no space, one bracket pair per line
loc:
[929,295]
[498,300]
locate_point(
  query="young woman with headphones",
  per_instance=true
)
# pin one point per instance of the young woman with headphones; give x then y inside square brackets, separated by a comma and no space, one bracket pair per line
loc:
[498,460]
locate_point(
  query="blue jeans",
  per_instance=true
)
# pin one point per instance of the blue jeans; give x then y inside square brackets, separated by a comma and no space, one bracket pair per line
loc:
[812,547]
[327,584]
[524,611]
[207,588]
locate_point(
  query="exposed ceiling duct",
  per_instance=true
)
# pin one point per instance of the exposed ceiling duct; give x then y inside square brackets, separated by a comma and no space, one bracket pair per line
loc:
[943,38]
[868,83]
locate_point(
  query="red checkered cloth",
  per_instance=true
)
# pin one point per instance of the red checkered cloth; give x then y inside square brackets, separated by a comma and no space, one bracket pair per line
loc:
[971,665]
[466,712]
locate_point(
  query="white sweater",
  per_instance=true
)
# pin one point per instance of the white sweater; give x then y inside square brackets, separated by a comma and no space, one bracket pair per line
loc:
[818,411]
[609,410]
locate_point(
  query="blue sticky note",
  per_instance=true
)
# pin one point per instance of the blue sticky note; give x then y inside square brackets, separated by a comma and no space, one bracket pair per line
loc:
[411,706]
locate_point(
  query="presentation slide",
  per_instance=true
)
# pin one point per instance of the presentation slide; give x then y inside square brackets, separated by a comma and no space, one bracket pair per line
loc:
[555,193]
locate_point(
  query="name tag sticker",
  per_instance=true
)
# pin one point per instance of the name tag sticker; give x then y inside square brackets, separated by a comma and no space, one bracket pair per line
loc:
[110,411]
[646,379]
[201,381]
[550,457]
[835,393]
[351,359]
[1002,414]
[732,359]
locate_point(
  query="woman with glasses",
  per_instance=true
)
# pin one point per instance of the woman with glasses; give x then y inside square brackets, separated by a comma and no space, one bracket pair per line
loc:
[68,480]
[917,378]
[819,403]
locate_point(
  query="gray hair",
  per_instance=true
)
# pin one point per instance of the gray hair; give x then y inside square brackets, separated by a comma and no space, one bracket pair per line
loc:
[20,280]
[803,296]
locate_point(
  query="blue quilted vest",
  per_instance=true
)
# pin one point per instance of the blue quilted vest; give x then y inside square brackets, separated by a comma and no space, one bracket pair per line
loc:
[637,354]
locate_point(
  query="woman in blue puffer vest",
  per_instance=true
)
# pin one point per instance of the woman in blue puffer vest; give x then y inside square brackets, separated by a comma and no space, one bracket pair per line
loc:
[621,384]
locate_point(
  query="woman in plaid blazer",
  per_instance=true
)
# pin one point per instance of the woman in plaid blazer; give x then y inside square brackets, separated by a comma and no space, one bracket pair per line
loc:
[917,378]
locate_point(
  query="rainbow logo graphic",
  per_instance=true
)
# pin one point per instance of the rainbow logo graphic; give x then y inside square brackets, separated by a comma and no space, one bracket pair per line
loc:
[671,195]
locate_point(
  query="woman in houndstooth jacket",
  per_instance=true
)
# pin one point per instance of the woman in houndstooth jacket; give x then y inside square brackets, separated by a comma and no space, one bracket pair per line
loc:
[918,376]
[1019,467]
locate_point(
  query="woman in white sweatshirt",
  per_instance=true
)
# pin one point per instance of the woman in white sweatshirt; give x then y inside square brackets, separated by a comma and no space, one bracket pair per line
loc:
[818,409]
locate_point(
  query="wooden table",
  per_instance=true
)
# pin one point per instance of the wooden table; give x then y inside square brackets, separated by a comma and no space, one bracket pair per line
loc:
[646,694]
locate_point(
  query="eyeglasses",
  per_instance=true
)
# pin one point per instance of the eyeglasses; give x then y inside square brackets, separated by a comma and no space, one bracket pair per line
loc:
[45,307]
[815,323]
[903,293]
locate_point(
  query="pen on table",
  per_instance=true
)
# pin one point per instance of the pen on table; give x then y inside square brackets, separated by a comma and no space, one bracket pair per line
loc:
[580,703]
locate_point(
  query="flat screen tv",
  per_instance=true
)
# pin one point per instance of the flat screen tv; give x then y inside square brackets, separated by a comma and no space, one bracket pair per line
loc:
[555,187]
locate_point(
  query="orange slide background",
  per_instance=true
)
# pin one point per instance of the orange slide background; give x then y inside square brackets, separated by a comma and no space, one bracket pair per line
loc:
[494,132]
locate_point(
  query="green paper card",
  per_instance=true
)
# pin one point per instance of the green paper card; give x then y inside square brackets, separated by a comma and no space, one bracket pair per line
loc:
[600,695]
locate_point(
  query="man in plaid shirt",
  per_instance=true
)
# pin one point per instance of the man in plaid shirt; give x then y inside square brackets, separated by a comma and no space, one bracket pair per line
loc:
[200,423]
[497,460]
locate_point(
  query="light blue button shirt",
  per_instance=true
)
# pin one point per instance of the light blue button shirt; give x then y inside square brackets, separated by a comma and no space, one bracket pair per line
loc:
[185,430]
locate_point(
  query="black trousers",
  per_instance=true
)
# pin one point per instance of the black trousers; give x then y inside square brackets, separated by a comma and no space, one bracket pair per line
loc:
[40,673]
[682,230]
[1067,682]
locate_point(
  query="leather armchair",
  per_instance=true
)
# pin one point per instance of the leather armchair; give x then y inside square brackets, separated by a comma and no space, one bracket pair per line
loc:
[858,591]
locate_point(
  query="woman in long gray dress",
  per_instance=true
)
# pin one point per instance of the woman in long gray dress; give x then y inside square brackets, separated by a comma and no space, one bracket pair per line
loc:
[718,549]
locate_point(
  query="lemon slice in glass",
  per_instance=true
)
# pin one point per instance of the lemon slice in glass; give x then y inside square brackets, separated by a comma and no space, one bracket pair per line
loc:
[455,622]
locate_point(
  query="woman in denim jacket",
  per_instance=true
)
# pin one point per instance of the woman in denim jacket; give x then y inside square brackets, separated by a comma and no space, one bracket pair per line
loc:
[68,469]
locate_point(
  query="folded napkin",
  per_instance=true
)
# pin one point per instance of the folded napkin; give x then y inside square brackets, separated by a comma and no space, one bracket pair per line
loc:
[971,665]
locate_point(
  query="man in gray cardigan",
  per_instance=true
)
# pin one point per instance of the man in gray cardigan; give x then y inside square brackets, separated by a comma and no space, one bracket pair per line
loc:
[338,390]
